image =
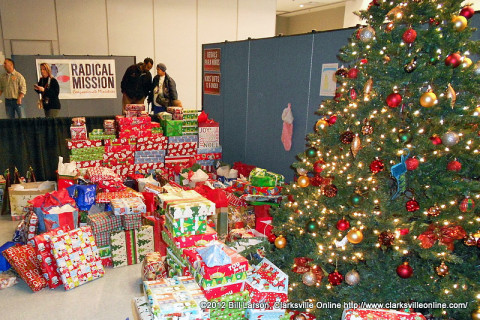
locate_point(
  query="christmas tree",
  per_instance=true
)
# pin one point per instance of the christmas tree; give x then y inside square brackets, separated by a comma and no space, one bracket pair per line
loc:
[383,209]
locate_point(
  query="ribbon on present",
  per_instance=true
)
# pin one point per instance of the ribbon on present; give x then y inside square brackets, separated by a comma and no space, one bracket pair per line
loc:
[445,235]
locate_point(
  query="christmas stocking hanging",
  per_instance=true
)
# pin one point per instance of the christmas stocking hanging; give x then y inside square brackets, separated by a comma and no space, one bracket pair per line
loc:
[287,130]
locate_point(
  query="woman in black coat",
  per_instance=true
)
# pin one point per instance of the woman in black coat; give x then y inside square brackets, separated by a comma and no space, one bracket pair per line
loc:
[49,90]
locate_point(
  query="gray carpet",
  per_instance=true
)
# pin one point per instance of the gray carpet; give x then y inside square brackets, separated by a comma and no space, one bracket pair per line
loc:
[106,298]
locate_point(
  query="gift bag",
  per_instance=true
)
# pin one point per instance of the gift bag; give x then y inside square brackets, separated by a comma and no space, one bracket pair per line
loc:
[84,195]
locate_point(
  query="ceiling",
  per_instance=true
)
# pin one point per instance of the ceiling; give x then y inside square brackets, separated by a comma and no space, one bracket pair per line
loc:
[296,7]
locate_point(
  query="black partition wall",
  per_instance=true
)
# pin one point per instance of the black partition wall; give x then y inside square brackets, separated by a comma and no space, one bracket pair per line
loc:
[258,79]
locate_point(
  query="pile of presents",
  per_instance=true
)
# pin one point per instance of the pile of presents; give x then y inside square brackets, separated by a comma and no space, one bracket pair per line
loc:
[134,143]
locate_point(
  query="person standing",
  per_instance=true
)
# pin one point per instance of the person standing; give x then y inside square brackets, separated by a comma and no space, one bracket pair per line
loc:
[164,91]
[14,86]
[48,89]
[136,83]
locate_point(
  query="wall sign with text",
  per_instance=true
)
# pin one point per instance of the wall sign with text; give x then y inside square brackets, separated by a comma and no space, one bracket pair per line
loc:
[211,59]
[211,83]
[211,69]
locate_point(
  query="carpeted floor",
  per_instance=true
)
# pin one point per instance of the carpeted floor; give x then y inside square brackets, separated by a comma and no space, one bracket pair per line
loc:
[106,298]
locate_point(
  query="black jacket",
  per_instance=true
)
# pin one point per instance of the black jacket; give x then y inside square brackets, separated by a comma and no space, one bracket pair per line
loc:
[136,84]
[169,88]
[50,95]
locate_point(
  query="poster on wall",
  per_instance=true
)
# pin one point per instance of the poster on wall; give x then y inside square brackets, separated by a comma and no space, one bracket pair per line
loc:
[211,59]
[83,79]
[211,83]
[328,81]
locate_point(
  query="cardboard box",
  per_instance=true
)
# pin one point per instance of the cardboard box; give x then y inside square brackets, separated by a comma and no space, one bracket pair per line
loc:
[20,194]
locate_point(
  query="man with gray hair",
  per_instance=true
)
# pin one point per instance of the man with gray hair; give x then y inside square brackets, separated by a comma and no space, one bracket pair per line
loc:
[164,93]
[14,86]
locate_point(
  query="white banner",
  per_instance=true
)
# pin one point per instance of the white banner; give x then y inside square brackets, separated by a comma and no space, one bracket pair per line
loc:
[83,79]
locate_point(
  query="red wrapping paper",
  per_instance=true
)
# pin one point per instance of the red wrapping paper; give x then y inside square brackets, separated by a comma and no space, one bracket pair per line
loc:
[262,211]
[182,149]
[157,146]
[119,158]
[134,133]
[76,144]
[198,240]
[78,132]
[105,197]
[208,156]
[119,149]
[121,120]
[367,314]
[134,127]
[89,164]
[45,257]
[120,142]
[24,261]
[264,225]
[123,170]
[155,138]
[223,290]
[144,168]
[134,107]
[158,223]
[154,267]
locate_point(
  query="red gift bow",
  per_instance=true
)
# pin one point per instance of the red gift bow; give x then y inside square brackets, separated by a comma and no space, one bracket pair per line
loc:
[446,235]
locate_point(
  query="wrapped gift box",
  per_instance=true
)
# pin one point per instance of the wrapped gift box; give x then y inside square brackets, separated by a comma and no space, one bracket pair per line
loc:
[77,257]
[131,246]
[190,114]
[220,282]
[172,127]
[109,124]
[133,114]
[157,138]
[89,164]
[177,116]
[102,174]
[180,295]
[175,110]
[164,116]
[25,263]
[158,225]
[186,226]
[208,135]
[134,107]
[106,197]
[102,239]
[121,120]
[123,206]
[157,130]
[267,283]
[221,306]
[274,314]
[105,254]
[149,187]
[210,150]
[148,160]
[76,144]
[134,134]
[262,178]
[153,267]
[119,157]
[78,121]
[45,257]
[263,191]
[176,267]
[145,147]
[187,203]
[141,309]
[182,149]
[172,162]
[120,142]
[87,150]
[150,153]
[134,127]
[223,290]
[148,168]
[103,136]
[264,225]
[104,222]
[79,132]
[86,157]
[197,240]
[183,139]
[360,314]
[131,221]
[239,264]
[120,148]
[208,156]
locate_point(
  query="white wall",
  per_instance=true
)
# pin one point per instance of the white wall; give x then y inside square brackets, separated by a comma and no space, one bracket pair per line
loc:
[169,31]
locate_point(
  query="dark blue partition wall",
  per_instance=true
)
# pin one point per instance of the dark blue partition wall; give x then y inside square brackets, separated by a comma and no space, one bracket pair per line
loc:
[258,79]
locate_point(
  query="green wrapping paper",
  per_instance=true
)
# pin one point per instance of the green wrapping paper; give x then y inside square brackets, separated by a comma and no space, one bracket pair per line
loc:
[89,150]
[220,218]
[220,306]
[171,246]
[86,157]
[172,128]
[92,136]
[186,226]
[262,176]
[235,314]
[130,247]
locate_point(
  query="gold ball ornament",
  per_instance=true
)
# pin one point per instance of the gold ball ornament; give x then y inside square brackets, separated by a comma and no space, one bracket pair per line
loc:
[280,242]
[321,124]
[428,99]
[476,314]
[303,181]
[396,13]
[442,269]
[452,95]
[367,89]
[459,23]
[356,145]
[355,236]
[467,62]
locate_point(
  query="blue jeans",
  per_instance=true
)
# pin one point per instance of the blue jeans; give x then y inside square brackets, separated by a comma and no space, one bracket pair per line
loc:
[11,107]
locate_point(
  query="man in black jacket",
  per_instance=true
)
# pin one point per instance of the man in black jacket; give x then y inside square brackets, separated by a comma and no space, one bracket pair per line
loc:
[164,93]
[137,83]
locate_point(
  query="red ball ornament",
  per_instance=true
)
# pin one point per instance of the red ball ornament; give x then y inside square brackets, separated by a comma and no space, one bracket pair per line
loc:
[352,73]
[271,238]
[394,100]
[363,61]
[436,140]
[412,205]
[453,60]
[335,278]
[353,94]
[404,270]
[454,166]
[343,225]
[412,163]
[290,198]
[467,12]
[316,181]
[317,166]
[377,166]
[409,35]
[332,120]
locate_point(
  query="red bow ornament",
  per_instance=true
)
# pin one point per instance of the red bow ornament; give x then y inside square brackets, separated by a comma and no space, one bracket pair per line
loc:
[445,235]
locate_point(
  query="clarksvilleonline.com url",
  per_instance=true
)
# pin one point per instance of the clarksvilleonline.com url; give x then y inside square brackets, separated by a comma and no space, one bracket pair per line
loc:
[392,305]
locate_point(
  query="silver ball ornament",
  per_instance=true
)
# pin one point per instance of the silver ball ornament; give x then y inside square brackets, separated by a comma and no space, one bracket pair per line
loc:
[352,277]
[367,34]
[309,278]
[302,171]
[476,68]
[450,138]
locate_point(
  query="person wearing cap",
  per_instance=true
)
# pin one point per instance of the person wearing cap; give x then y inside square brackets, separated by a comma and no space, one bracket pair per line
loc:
[164,91]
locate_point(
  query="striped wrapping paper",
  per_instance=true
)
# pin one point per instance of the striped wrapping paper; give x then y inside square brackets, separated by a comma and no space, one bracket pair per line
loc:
[104,222]
[131,221]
